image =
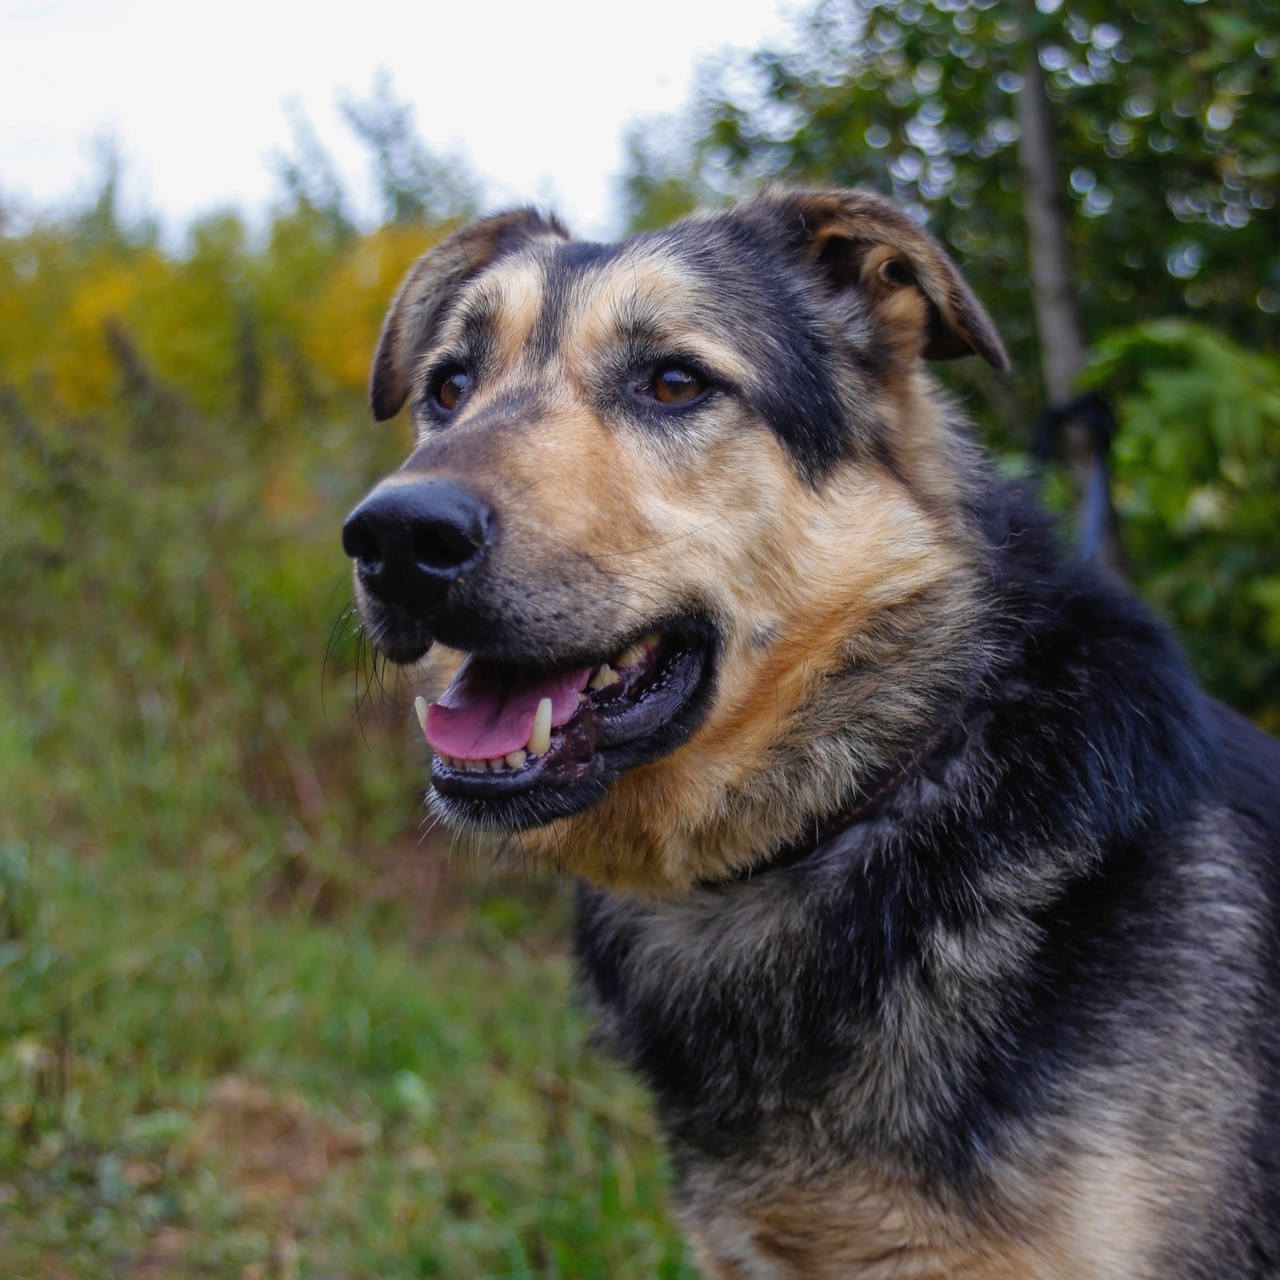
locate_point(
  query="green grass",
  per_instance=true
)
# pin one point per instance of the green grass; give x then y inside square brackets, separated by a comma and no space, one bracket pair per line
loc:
[199,1077]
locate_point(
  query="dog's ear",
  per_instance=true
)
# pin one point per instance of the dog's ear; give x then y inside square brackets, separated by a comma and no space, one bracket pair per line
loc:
[858,239]
[422,299]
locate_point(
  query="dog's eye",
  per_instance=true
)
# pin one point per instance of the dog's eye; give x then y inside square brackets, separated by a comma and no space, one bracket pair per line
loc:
[449,387]
[674,384]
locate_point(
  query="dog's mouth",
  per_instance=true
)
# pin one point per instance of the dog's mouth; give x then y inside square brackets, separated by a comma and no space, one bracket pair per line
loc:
[517,746]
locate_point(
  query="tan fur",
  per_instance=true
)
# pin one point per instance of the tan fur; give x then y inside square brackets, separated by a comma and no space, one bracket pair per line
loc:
[433,278]
[859,1229]
[850,229]
[865,537]
[1099,1215]
[661,290]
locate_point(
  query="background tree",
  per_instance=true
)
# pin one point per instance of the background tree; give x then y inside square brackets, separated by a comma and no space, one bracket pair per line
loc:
[1164,121]
[415,184]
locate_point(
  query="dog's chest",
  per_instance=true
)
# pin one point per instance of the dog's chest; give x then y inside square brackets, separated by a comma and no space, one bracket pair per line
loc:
[854,1227]
[1082,1224]
[784,1100]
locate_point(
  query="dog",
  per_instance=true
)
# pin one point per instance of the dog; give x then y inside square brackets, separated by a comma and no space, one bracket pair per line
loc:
[931,898]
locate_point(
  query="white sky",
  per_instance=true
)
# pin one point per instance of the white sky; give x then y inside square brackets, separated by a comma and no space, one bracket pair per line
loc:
[537,94]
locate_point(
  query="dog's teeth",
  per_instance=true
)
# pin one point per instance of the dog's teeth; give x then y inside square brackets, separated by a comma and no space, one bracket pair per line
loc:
[420,706]
[638,651]
[540,734]
[604,677]
[516,759]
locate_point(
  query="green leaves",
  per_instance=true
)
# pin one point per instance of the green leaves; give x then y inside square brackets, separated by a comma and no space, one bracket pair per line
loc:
[1197,470]
[1167,129]
[1167,126]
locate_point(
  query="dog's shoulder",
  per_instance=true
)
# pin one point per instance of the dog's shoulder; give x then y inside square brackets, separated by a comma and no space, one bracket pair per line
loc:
[1249,777]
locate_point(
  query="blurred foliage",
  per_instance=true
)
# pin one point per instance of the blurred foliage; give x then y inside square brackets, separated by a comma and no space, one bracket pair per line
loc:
[1197,472]
[250,1024]
[414,184]
[191,1085]
[1167,128]
[180,434]
[1166,123]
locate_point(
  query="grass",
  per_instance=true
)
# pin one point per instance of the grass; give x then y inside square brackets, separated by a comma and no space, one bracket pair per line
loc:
[199,1076]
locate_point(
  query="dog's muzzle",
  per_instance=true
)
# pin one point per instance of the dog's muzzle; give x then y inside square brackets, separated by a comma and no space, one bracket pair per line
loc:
[542,715]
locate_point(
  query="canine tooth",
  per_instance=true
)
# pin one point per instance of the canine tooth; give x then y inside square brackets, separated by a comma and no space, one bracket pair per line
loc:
[515,759]
[540,734]
[420,706]
[604,677]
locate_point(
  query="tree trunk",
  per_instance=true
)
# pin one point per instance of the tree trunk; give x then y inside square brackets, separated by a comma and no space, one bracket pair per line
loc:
[1063,348]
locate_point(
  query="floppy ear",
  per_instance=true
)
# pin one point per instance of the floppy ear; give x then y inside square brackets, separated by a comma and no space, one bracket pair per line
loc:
[858,239]
[433,279]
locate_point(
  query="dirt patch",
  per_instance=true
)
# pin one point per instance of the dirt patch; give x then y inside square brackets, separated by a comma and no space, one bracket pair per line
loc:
[271,1149]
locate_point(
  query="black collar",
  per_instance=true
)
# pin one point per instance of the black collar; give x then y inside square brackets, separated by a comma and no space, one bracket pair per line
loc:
[872,796]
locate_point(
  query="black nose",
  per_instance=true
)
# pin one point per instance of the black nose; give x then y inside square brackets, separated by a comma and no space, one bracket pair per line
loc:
[410,540]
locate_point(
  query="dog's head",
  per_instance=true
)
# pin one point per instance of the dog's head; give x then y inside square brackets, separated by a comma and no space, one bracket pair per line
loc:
[692,510]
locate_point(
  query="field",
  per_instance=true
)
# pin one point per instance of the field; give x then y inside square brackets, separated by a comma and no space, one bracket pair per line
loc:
[209,1070]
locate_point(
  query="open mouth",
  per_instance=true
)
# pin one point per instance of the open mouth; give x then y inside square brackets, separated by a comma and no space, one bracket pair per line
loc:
[517,746]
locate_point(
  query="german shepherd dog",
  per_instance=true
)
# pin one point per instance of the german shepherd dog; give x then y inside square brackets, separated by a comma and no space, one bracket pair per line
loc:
[928,894]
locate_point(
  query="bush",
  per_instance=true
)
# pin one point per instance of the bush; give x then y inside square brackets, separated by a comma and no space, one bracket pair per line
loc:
[1197,469]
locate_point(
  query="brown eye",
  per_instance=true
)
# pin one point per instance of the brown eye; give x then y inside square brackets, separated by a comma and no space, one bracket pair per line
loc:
[451,389]
[673,384]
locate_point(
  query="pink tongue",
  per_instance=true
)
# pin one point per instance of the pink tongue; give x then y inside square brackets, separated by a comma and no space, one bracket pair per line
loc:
[487,711]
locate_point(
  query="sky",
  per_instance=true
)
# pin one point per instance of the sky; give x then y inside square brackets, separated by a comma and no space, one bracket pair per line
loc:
[536,95]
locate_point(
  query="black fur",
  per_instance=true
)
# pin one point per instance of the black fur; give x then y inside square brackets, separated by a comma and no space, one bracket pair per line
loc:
[1061,799]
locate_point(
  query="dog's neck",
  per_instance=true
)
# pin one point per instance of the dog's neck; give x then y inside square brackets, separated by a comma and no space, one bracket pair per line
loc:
[871,796]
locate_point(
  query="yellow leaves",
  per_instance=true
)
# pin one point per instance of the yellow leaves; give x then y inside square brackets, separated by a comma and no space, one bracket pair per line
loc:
[53,315]
[342,327]
[78,357]
[231,327]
